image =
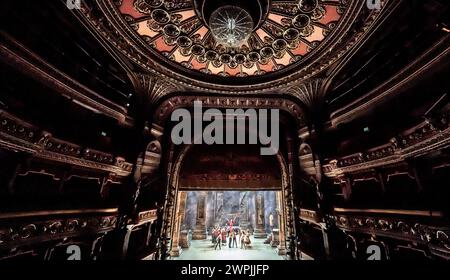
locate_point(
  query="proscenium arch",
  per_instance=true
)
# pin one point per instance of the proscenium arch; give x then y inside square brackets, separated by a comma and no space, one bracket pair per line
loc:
[296,109]
[284,201]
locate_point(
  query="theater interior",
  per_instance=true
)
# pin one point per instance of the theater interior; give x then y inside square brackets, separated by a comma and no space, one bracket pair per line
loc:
[89,170]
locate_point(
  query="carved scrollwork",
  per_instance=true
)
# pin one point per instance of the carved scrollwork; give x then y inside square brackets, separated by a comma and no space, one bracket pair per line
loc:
[415,141]
[16,127]
[23,136]
[28,231]
[55,227]
[165,108]
[141,49]
[395,228]
[72,225]
[146,6]
[42,230]
[443,239]
[155,87]
[98,156]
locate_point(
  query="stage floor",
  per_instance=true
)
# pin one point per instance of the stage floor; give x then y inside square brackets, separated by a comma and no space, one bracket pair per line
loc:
[204,250]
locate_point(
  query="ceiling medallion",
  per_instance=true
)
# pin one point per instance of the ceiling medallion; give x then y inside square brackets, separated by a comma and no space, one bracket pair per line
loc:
[231,26]
[233,38]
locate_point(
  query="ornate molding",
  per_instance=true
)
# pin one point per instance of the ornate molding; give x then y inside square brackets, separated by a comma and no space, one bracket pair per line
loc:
[416,141]
[409,228]
[18,135]
[310,93]
[148,162]
[154,88]
[164,110]
[121,35]
[275,44]
[20,230]
[310,216]
[145,217]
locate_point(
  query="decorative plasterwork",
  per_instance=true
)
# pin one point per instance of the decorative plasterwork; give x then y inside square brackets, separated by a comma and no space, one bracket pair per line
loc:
[419,140]
[398,227]
[309,93]
[164,110]
[310,216]
[149,162]
[155,87]
[175,30]
[28,229]
[18,135]
[146,216]
[118,29]
[420,227]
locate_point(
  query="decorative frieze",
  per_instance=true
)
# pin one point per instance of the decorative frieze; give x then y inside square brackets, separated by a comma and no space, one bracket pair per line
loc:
[63,147]
[105,19]
[26,228]
[18,128]
[310,216]
[98,156]
[413,142]
[398,227]
[19,135]
[146,216]
[163,112]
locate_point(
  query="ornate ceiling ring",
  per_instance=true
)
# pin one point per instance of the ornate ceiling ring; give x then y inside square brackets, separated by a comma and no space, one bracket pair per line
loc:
[200,85]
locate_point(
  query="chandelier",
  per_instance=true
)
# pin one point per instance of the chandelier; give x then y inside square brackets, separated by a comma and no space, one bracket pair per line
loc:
[231,25]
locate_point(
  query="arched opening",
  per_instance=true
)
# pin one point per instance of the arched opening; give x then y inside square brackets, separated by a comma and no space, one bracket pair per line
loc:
[229,204]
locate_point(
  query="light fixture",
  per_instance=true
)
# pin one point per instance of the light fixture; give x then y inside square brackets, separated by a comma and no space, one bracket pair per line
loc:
[231,25]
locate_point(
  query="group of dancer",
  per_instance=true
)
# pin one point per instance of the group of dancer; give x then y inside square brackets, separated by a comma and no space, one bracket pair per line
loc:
[219,238]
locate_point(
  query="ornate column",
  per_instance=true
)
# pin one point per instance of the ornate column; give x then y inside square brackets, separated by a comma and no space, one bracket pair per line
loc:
[200,226]
[243,209]
[147,148]
[289,204]
[175,250]
[260,225]
[183,232]
[281,249]
[311,94]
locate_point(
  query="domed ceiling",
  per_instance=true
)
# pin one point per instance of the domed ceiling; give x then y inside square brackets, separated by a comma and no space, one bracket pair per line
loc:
[280,33]
[262,36]
[232,45]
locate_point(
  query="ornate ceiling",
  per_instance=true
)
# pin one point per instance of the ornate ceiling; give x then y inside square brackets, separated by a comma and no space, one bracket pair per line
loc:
[233,47]
[288,32]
